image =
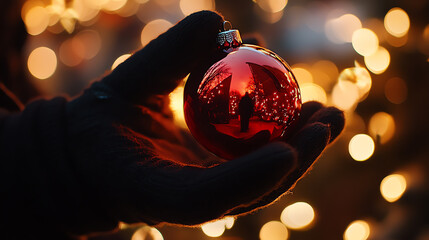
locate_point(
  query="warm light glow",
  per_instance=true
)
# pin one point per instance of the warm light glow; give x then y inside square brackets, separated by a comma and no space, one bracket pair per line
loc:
[213,229]
[325,74]
[313,92]
[114,5]
[397,41]
[341,29]
[42,62]
[392,187]
[364,41]
[397,22]
[229,222]
[357,230]
[302,75]
[191,6]
[146,232]
[382,126]
[361,147]
[84,11]
[69,52]
[273,230]
[359,76]
[396,90]
[91,41]
[298,215]
[378,61]
[36,20]
[120,60]
[272,6]
[153,29]
[176,106]
[345,95]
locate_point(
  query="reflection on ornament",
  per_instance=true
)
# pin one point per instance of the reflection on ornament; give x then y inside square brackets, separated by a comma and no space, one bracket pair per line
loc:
[241,99]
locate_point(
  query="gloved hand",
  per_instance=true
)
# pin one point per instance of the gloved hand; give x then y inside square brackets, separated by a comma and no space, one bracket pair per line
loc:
[133,164]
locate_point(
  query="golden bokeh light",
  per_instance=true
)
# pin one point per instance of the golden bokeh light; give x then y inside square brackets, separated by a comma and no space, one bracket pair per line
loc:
[120,60]
[396,90]
[393,187]
[176,106]
[69,52]
[382,126]
[91,41]
[397,41]
[341,29]
[302,75]
[84,11]
[364,41]
[357,230]
[361,147]
[359,76]
[272,6]
[42,62]
[345,95]
[229,222]
[146,232]
[36,20]
[153,29]
[191,6]
[298,215]
[313,92]
[114,5]
[397,22]
[214,229]
[378,61]
[273,230]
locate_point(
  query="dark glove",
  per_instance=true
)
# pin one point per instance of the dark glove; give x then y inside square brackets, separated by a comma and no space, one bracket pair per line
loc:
[127,161]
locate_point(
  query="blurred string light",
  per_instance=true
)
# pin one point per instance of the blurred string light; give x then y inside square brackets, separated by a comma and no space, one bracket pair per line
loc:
[357,230]
[271,6]
[382,126]
[393,187]
[364,41]
[397,22]
[83,46]
[147,233]
[359,76]
[340,30]
[395,90]
[120,60]
[313,92]
[191,6]
[42,62]
[273,230]
[36,20]
[361,147]
[217,228]
[325,73]
[378,61]
[345,95]
[298,215]
[153,29]
[301,74]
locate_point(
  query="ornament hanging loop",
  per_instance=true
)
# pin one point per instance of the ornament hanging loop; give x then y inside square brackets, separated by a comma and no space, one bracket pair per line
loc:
[228,38]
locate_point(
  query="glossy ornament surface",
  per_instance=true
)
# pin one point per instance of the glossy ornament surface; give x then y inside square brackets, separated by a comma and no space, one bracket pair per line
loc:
[242,99]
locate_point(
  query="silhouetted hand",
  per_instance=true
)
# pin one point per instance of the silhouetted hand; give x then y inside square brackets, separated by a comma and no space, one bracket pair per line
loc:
[133,164]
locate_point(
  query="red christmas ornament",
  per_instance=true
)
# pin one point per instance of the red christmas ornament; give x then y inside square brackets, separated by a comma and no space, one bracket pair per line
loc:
[242,98]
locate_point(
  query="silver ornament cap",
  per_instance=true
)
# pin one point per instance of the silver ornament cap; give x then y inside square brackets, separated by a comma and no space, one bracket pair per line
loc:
[228,38]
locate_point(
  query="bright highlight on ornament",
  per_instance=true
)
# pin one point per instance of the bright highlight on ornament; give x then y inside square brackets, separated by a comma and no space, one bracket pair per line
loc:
[361,147]
[120,60]
[378,61]
[272,6]
[298,215]
[393,187]
[364,41]
[357,230]
[147,232]
[273,230]
[191,6]
[382,127]
[397,22]
[396,90]
[42,62]
[153,29]
[313,92]
[359,76]
[341,29]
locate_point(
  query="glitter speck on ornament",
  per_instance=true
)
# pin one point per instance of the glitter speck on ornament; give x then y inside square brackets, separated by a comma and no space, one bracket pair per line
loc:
[242,101]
